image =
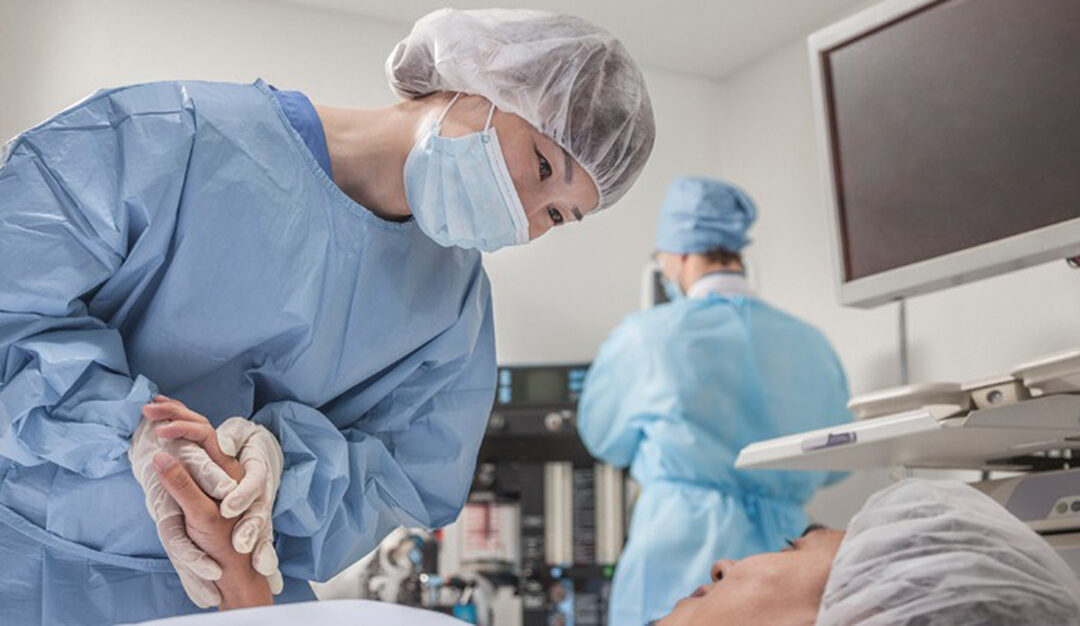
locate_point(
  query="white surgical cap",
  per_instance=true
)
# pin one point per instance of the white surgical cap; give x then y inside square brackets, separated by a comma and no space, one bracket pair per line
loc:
[931,553]
[571,80]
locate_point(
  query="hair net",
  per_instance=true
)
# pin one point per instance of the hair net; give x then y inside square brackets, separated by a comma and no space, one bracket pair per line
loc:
[940,552]
[571,80]
[703,215]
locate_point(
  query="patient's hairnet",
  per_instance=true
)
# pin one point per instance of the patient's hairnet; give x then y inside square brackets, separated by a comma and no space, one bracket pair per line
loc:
[571,80]
[941,553]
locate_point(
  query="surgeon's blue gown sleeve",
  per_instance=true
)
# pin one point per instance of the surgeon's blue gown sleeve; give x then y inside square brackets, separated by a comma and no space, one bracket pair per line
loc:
[344,490]
[67,395]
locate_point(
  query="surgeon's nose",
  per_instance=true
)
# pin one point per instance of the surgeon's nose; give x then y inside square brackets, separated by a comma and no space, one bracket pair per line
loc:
[719,568]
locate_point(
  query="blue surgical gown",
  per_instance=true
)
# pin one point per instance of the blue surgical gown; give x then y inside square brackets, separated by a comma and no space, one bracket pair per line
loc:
[674,393]
[181,237]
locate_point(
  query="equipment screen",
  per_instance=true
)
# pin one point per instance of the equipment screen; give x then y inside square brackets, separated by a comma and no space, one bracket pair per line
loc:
[543,387]
[540,385]
[953,127]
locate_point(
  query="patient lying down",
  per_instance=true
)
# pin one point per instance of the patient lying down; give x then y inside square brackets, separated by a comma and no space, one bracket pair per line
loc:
[919,552]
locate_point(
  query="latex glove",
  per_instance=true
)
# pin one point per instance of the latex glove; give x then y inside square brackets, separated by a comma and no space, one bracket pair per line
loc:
[260,455]
[197,571]
[259,461]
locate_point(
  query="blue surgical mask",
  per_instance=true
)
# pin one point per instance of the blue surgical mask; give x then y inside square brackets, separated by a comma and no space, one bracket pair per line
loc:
[460,191]
[671,289]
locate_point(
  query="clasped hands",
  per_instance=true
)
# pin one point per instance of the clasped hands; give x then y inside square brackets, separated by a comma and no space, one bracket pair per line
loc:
[211,494]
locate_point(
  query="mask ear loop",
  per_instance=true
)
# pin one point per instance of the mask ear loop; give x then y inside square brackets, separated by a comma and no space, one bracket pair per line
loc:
[491,114]
[438,122]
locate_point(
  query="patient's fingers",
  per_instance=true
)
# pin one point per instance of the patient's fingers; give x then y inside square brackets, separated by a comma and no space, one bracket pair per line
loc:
[162,398]
[158,411]
[212,477]
[203,434]
[200,433]
[197,506]
[172,410]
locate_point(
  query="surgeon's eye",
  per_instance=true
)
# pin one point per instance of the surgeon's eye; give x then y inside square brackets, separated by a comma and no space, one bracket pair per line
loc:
[555,216]
[545,166]
[791,544]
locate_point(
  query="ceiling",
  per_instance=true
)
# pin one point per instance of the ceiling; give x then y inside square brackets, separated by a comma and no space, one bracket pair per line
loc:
[709,38]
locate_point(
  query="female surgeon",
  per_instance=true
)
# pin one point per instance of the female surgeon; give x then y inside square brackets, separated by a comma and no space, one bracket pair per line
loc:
[314,271]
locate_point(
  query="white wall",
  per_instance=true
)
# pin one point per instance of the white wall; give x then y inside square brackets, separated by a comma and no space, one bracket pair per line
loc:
[53,53]
[558,298]
[767,145]
[555,300]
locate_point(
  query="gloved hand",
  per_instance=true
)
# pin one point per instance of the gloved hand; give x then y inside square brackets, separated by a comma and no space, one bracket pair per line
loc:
[196,569]
[259,459]
[260,455]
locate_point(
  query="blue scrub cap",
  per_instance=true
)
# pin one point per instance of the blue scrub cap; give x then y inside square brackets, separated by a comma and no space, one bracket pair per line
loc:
[704,214]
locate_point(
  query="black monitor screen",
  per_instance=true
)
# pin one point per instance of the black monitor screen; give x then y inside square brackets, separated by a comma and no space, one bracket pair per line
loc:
[955,126]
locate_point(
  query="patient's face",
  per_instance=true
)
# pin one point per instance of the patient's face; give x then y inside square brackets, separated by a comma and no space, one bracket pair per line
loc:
[777,588]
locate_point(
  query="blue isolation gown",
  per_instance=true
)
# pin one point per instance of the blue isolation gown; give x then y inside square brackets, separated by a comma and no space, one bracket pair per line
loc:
[180,237]
[675,392]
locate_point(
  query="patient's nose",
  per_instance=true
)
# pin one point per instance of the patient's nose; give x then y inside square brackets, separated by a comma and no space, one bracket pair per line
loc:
[719,567]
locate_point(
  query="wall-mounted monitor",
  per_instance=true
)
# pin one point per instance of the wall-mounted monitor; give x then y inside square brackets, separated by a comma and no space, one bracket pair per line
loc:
[950,140]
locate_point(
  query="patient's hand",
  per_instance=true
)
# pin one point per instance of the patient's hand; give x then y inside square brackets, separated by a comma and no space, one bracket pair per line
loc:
[250,486]
[240,585]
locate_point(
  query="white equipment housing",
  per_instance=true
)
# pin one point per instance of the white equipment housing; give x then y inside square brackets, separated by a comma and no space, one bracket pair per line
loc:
[1022,422]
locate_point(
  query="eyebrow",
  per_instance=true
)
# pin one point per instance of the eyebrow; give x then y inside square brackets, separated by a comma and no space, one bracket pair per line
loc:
[568,177]
[811,528]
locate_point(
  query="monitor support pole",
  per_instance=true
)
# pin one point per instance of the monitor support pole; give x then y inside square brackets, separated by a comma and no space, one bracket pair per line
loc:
[902,338]
[900,472]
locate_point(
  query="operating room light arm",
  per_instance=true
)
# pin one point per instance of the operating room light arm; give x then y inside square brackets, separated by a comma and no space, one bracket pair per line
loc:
[67,393]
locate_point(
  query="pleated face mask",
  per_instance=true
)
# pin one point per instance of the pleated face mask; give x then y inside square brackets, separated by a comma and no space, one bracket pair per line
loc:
[460,191]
